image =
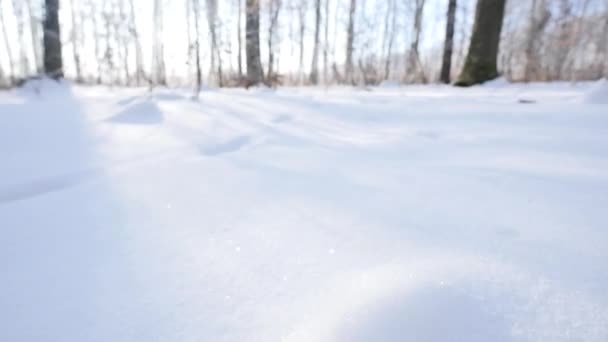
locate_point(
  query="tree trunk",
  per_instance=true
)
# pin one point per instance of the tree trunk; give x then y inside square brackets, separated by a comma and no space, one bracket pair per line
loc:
[35,33]
[252,42]
[302,31]
[539,18]
[53,64]
[414,70]
[314,70]
[326,44]
[448,45]
[197,52]
[273,16]
[158,64]
[75,41]
[480,64]
[392,13]
[240,37]
[139,68]
[350,38]
[11,60]
[24,64]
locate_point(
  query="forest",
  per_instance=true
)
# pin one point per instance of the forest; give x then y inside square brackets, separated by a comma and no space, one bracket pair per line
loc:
[233,43]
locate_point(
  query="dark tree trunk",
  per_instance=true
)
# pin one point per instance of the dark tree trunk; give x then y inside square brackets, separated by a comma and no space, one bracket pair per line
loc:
[480,65]
[53,65]
[252,41]
[448,47]
[350,38]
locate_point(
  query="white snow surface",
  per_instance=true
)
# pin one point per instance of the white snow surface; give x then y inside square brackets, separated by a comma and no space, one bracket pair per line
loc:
[598,93]
[303,215]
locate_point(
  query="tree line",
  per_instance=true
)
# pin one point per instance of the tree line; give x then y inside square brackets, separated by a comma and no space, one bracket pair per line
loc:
[354,42]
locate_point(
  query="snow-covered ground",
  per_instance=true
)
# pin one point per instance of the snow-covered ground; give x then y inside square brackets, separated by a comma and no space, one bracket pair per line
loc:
[303,215]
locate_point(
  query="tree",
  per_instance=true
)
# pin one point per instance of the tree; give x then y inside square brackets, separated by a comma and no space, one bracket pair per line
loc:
[414,70]
[197,50]
[75,43]
[274,7]
[11,61]
[448,45]
[302,30]
[252,41]
[35,34]
[53,63]
[539,18]
[480,64]
[314,70]
[240,37]
[139,69]
[212,21]
[158,56]
[350,39]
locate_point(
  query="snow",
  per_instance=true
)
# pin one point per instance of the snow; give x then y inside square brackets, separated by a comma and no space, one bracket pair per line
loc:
[598,93]
[422,213]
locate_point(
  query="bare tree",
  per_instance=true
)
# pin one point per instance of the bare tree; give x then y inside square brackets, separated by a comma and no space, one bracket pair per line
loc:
[350,39]
[53,64]
[274,7]
[389,35]
[252,41]
[24,68]
[75,43]
[448,45]
[480,64]
[212,21]
[139,68]
[302,6]
[240,36]
[158,54]
[539,17]
[414,70]
[197,49]
[326,44]
[314,70]
[7,46]
[35,35]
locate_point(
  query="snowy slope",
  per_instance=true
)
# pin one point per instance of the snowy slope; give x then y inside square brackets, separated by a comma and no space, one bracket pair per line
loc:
[395,214]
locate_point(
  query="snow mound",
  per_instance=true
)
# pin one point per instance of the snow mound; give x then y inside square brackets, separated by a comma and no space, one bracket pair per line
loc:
[499,82]
[389,84]
[145,112]
[598,93]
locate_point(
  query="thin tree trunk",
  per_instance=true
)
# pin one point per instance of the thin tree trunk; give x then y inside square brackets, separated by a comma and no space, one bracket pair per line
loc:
[24,68]
[11,60]
[160,76]
[252,42]
[302,31]
[96,37]
[197,52]
[75,41]
[391,38]
[35,34]
[273,15]
[314,70]
[480,64]
[139,68]
[240,36]
[414,70]
[350,38]
[448,45]
[53,65]
[326,44]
